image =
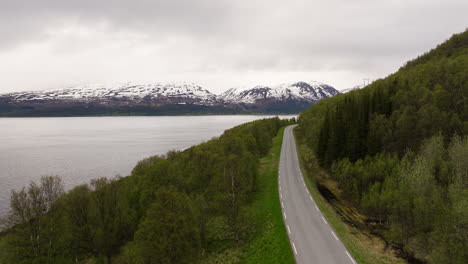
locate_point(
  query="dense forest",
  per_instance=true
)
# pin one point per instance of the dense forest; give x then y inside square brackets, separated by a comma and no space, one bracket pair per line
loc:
[398,150]
[175,208]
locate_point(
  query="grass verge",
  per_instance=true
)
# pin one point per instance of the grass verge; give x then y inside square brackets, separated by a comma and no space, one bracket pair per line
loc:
[365,247]
[271,245]
[270,242]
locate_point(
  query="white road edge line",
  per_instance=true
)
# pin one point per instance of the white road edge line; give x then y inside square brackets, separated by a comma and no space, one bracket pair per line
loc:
[281,195]
[282,204]
[289,230]
[295,250]
[311,198]
[325,221]
[351,258]
[284,215]
[316,208]
[333,233]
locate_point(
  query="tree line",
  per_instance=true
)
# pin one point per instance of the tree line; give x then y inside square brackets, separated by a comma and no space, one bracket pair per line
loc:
[399,150]
[174,208]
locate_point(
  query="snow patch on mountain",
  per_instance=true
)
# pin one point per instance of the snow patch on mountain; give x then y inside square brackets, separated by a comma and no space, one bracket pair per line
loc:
[311,91]
[128,91]
[357,87]
[176,93]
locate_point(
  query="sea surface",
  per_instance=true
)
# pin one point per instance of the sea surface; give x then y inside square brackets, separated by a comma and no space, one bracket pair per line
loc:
[79,149]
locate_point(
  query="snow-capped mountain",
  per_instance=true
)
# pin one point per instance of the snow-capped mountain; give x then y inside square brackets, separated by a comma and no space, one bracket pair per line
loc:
[249,96]
[125,91]
[163,99]
[298,91]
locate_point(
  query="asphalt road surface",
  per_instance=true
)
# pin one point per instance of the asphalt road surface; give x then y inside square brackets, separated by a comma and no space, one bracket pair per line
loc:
[312,239]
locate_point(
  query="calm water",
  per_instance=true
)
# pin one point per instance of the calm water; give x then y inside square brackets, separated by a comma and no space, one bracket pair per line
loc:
[82,148]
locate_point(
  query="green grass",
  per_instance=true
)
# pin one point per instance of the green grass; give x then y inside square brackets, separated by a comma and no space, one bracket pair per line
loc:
[365,248]
[271,244]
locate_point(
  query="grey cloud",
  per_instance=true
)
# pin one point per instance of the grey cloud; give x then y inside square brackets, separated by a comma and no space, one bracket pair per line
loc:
[23,21]
[210,36]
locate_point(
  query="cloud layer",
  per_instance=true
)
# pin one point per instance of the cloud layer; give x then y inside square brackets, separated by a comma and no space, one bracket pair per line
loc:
[217,43]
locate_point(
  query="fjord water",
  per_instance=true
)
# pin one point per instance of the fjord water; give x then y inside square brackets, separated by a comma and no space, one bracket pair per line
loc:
[83,148]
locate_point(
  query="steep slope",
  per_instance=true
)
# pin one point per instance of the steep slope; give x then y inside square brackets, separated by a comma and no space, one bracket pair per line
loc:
[397,150]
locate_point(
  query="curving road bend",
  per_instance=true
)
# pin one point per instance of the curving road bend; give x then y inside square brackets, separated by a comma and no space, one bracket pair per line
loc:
[312,239]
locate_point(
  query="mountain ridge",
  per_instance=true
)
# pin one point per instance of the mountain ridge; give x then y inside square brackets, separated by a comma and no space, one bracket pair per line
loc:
[156,98]
[308,91]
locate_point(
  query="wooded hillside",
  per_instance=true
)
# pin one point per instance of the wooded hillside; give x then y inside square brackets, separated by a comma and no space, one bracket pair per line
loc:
[399,150]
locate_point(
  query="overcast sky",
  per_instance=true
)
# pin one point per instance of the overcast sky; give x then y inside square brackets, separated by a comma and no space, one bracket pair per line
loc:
[219,44]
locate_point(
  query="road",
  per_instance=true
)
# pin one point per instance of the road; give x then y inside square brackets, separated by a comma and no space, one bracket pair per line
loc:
[311,237]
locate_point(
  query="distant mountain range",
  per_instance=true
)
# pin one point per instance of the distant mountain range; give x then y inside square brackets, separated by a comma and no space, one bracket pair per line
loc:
[164,99]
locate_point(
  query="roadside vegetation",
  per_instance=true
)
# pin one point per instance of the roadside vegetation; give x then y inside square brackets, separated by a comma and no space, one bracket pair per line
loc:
[397,152]
[216,202]
[349,223]
[271,244]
